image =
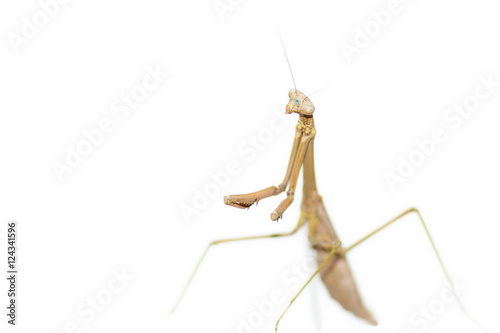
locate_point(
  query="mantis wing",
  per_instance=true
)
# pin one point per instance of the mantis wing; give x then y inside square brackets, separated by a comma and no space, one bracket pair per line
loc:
[336,274]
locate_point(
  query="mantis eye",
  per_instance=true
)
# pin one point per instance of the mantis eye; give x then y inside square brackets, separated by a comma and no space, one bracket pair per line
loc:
[296,101]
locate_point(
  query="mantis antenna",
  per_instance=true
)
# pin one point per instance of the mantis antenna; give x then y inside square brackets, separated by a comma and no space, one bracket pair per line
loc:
[286,56]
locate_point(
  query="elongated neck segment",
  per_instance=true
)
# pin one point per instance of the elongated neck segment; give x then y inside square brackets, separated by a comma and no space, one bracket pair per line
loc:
[309,189]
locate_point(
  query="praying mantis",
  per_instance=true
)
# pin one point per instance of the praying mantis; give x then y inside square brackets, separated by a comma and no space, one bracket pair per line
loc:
[333,267]
[331,257]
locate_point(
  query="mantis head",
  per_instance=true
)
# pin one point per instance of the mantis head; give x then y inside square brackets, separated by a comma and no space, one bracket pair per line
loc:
[299,103]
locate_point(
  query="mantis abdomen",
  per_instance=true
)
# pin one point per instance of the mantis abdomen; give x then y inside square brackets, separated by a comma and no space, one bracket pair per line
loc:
[335,274]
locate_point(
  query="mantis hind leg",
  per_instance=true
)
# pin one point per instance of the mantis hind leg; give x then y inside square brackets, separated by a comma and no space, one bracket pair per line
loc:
[333,246]
[301,222]
[397,218]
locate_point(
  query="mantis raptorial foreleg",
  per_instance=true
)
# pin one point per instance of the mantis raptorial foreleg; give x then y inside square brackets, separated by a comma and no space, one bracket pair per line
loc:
[290,233]
[304,143]
[247,200]
[291,162]
[300,144]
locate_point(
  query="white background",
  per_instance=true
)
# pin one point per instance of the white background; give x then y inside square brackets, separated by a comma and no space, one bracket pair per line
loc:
[120,208]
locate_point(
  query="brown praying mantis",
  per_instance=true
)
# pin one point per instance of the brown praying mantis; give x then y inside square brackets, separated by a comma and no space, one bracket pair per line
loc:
[331,257]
